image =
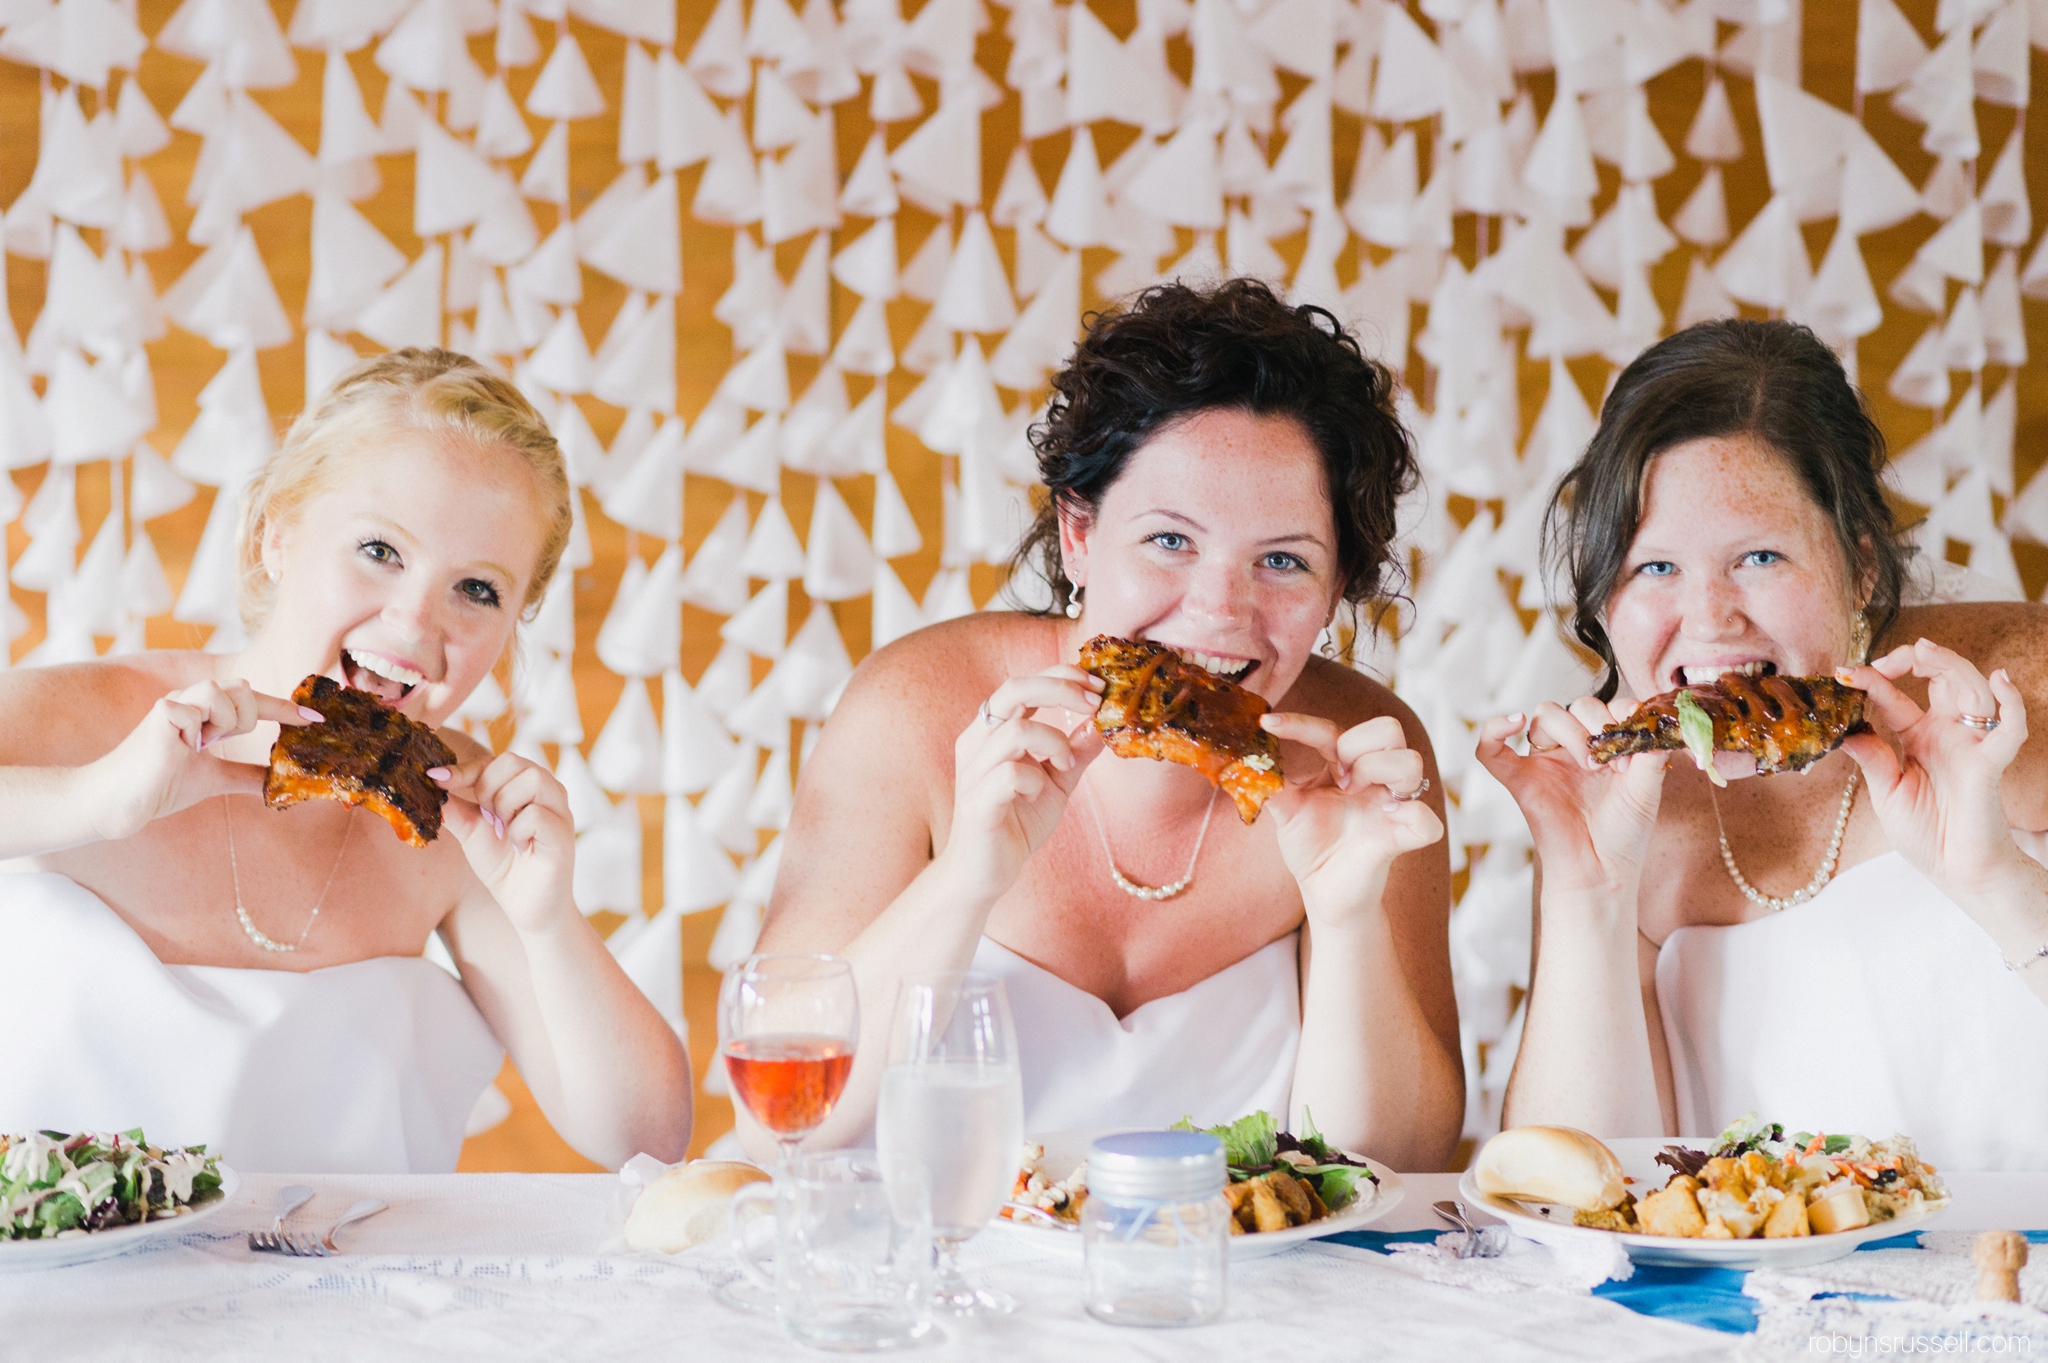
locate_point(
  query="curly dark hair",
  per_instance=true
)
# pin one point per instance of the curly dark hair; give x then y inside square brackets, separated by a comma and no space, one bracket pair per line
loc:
[1775,382]
[1176,351]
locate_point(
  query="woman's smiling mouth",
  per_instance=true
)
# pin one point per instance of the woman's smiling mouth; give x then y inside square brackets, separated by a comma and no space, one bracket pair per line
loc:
[385,678]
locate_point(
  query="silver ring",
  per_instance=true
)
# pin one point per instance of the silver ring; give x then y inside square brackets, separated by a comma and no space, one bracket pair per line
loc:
[1417,793]
[989,718]
[1981,723]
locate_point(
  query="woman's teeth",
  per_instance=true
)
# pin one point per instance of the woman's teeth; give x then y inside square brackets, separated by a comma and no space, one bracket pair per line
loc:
[1222,667]
[1700,676]
[401,678]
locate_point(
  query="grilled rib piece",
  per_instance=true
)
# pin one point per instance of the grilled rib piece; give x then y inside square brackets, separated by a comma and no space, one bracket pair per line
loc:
[1786,723]
[365,754]
[1154,705]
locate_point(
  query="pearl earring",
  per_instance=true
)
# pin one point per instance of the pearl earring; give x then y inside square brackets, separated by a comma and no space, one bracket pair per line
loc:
[1074,603]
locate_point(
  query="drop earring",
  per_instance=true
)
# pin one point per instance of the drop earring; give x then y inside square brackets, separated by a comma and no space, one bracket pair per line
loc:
[1328,645]
[1859,639]
[1074,602]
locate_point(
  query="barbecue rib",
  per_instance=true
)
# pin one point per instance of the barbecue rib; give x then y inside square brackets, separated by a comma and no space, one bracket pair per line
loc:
[365,754]
[1786,723]
[1154,705]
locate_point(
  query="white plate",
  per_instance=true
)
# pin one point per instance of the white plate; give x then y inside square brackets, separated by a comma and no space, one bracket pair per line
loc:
[24,1255]
[1550,1224]
[1065,1150]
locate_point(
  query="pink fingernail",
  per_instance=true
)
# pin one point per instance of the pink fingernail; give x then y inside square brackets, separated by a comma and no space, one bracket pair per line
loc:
[439,773]
[206,743]
[498,826]
[311,716]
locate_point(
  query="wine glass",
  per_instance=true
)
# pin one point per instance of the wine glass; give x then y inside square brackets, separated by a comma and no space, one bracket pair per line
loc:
[953,1100]
[787,1025]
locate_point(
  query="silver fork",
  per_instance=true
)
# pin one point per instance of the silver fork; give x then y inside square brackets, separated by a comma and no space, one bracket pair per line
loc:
[306,1247]
[289,1200]
[1481,1242]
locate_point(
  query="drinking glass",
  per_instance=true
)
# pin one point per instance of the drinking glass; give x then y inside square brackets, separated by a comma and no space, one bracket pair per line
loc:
[952,1100]
[851,1249]
[787,1026]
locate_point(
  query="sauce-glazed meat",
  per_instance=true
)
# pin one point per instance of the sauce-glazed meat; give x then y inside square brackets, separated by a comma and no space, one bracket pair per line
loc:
[1786,723]
[1154,705]
[365,754]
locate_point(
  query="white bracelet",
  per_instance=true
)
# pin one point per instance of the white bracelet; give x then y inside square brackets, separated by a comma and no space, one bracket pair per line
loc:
[2017,966]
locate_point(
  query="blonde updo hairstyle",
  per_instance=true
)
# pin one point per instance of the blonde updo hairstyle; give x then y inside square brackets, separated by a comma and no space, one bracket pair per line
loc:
[434,393]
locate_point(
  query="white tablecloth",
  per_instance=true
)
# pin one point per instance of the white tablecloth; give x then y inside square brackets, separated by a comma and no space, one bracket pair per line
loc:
[508,1266]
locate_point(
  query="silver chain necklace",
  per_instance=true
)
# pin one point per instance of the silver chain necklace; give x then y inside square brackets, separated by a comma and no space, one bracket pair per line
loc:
[256,934]
[1132,887]
[1820,877]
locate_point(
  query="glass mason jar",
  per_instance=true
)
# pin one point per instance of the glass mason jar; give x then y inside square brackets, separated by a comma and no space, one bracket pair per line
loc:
[1155,1230]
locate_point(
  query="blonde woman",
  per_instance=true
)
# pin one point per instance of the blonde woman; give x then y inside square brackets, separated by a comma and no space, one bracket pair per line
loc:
[183,958]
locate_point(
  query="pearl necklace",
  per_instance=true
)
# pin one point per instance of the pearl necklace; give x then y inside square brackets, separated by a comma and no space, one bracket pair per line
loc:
[255,933]
[1132,887]
[1820,877]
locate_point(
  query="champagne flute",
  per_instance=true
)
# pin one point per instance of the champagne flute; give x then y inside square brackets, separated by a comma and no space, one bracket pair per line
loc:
[787,1025]
[953,1100]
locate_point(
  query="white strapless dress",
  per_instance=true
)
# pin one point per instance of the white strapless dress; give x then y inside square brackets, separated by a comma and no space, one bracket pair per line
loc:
[369,1067]
[1876,1007]
[1216,1051]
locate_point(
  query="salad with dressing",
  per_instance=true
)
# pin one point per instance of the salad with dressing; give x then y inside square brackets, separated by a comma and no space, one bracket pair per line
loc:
[52,1184]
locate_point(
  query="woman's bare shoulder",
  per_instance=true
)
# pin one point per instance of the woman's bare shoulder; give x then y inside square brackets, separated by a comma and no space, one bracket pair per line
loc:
[1992,634]
[52,715]
[929,675]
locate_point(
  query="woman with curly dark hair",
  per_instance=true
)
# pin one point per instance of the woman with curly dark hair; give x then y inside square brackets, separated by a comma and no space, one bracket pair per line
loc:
[1861,946]
[1223,472]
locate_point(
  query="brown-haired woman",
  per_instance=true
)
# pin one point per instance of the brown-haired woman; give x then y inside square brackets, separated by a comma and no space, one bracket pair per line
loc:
[184,959]
[1224,470]
[1856,948]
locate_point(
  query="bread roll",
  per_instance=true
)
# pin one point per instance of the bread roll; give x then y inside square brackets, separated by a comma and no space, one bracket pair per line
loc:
[687,1205]
[1551,1164]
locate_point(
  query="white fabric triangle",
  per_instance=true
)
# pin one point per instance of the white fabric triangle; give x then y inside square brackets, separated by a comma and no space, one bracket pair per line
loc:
[546,178]
[1559,168]
[1946,189]
[769,807]
[208,597]
[760,381]
[139,130]
[772,549]
[153,489]
[695,749]
[1645,154]
[729,193]
[2005,332]
[722,816]
[643,632]
[1703,218]
[863,346]
[351,262]
[695,873]
[719,427]
[1919,287]
[87,302]
[754,460]
[238,305]
[868,264]
[612,203]
[838,562]
[504,235]
[924,277]
[1412,72]
[428,49]
[259,163]
[949,597]
[642,370]
[566,88]
[1079,215]
[626,759]
[896,534]
[780,116]
[713,581]
[1842,302]
[963,403]
[643,248]
[1888,47]
[1767,264]
[808,425]
[1380,204]
[1957,250]
[1875,195]
[816,667]
[1962,336]
[975,293]
[408,312]
[895,611]
[145,591]
[1941,94]
[589,807]
[78,171]
[562,361]
[939,164]
[648,496]
[82,40]
[824,72]
[2001,59]
[2008,214]
[1921,379]
[1044,334]
[1713,135]
[639,107]
[87,412]
[870,190]
[452,185]
[1182,183]
[1999,424]
[502,130]
[718,59]
[762,625]
[805,322]
[859,443]
[1021,197]
[687,123]
[800,192]
[551,274]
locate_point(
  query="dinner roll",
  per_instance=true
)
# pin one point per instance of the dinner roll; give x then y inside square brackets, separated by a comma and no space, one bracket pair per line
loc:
[1551,1164]
[687,1205]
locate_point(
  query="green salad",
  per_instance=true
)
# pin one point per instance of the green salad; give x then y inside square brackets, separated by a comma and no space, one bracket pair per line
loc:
[52,1184]
[1255,1145]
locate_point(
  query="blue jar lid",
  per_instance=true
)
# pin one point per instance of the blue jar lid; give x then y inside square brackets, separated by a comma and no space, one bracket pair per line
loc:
[1160,1166]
